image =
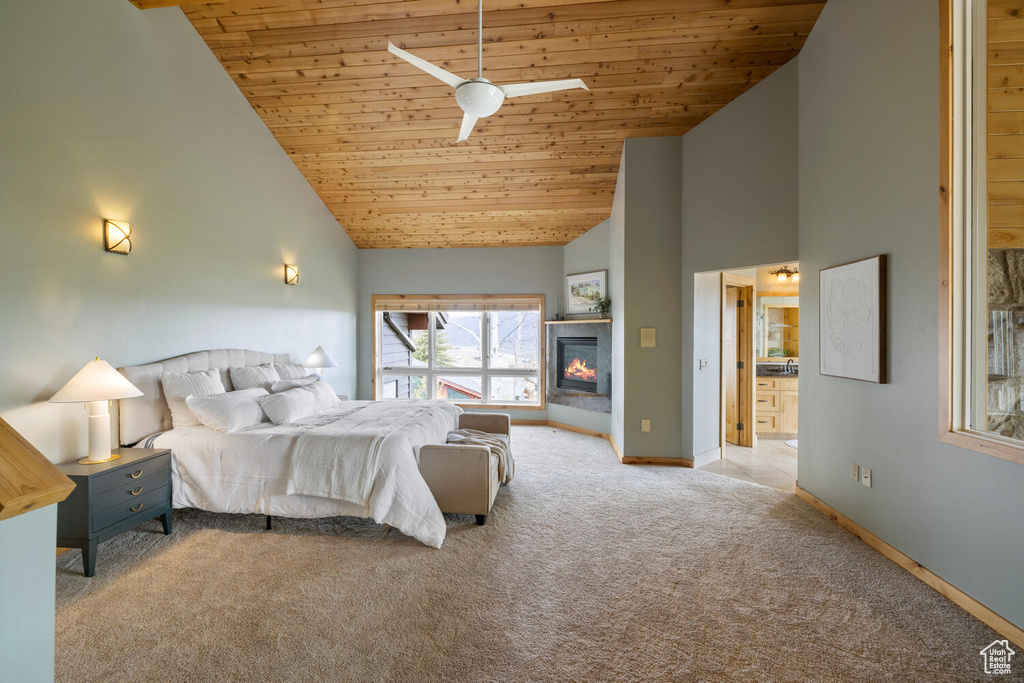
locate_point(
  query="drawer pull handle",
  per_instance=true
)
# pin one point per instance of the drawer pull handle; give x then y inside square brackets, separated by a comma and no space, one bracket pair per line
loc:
[136,475]
[136,491]
[136,508]
[762,422]
[762,400]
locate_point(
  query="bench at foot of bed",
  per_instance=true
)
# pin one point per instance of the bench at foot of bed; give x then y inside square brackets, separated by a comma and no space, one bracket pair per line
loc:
[464,478]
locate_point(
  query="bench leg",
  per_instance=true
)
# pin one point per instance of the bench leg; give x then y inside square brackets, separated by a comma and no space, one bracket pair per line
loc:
[481,520]
[269,524]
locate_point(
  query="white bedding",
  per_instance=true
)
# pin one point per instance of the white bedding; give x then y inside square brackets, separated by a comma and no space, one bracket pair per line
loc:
[247,471]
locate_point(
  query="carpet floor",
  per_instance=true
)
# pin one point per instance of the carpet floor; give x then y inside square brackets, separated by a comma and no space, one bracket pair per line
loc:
[587,570]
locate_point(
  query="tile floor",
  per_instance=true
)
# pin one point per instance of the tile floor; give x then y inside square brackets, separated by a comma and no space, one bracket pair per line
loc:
[770,463]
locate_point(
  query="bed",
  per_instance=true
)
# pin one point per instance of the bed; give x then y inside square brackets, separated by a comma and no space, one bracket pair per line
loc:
[252,470]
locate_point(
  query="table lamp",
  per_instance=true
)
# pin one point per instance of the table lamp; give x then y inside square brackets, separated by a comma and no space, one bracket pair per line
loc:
[319,360]
[96,384]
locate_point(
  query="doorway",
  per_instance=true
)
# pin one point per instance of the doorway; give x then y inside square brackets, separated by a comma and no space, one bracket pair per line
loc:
[759,375]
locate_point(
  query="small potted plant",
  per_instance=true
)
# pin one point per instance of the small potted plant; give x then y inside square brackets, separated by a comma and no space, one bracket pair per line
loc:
[602,306]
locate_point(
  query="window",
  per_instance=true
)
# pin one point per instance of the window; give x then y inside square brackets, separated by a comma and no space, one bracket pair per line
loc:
[983,229]
[472,350]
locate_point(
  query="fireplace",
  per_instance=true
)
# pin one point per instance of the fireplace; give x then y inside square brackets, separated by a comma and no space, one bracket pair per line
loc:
[577,363]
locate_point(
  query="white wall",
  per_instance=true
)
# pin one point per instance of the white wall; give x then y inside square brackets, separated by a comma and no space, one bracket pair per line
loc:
[869,174]
[512,270]
[739,209]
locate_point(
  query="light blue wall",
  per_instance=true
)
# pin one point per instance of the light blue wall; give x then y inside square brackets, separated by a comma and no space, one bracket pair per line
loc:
[740,208]
[588,252]
[511,270]
[651,264]
[27,576]
[869,177]
[111,112]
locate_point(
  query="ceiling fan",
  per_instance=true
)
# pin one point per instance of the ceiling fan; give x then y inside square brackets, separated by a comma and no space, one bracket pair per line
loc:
[478,97]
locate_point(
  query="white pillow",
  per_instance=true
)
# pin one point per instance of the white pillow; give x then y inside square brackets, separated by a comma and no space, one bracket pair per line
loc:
[290,370]
[256,377]
[286,384]
[295,404]
[179,385]
[230,411]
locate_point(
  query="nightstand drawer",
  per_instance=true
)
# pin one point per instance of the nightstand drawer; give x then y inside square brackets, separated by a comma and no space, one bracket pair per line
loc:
[138,506]
[127,475]
[131,489]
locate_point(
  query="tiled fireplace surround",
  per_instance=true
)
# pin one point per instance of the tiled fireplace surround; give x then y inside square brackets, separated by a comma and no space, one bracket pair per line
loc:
[601,402]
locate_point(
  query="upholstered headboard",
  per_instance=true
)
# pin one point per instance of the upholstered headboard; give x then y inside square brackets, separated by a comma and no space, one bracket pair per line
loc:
[149,414]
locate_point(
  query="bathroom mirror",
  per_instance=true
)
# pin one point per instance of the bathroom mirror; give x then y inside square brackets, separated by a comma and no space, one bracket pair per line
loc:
[778,328]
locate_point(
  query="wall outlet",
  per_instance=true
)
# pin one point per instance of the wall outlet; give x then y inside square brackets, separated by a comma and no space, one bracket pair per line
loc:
[854,471]
[645,425]
[703,363]
[865,477]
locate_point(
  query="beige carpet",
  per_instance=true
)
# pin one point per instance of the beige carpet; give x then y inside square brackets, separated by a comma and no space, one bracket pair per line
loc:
[588,570]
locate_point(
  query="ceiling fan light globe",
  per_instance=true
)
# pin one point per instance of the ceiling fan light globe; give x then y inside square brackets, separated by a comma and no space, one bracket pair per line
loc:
[479,98]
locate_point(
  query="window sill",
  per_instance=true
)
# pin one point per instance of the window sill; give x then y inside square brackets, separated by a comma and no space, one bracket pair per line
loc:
[502,406]
[980,444]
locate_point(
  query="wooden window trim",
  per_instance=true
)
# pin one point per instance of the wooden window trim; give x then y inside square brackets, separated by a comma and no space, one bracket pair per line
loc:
[948,433]
[454,302]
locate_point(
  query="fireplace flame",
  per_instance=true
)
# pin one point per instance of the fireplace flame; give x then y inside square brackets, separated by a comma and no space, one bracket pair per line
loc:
[578,369]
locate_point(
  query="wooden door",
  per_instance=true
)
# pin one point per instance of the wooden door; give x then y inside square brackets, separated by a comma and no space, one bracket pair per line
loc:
[730,374]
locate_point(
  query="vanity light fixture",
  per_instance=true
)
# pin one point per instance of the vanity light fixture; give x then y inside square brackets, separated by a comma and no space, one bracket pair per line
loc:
[117,237]
[784,274]
[291,274]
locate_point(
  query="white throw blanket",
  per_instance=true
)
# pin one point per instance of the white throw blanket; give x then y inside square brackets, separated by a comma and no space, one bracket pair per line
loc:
[340,460]
[498,443]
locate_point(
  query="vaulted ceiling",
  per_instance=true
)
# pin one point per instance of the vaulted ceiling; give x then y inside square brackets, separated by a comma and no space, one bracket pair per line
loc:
[376,138]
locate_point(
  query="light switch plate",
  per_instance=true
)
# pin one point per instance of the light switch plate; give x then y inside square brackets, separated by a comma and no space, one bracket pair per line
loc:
[648,338]
[854,471]
[865,476]
[645,425]
[703,363]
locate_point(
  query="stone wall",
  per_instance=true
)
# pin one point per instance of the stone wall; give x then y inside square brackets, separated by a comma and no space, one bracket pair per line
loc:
[1005,342]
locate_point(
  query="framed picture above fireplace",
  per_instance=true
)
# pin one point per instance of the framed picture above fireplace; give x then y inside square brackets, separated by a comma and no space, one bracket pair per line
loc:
[582,290]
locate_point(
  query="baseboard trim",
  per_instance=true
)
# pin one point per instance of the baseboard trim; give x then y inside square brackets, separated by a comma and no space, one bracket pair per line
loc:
[663,462]
[707,457]
[982,613]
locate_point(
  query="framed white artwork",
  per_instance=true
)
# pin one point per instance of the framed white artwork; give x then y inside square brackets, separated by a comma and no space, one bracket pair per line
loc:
[852,320]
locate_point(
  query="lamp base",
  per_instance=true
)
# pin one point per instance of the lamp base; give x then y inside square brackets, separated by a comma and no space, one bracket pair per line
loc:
[89,461]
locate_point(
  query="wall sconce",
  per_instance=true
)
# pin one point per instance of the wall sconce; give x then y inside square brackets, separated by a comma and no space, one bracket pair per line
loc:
[784,274]
[117,237]
[291,274]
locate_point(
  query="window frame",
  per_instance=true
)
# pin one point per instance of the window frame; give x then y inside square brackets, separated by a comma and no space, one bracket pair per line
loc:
[484,303]
[963,207]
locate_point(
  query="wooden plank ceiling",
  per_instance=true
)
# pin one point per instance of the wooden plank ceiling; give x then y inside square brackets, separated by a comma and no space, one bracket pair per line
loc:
[375,137]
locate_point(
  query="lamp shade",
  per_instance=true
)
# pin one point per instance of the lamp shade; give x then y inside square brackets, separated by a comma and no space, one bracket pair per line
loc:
[319,359]
[97,381]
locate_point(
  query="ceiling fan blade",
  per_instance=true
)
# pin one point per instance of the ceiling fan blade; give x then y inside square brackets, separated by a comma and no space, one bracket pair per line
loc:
[468,121]
[520,89]
[423,65]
